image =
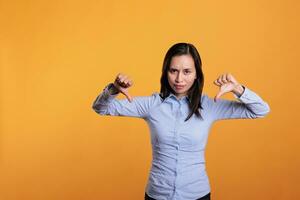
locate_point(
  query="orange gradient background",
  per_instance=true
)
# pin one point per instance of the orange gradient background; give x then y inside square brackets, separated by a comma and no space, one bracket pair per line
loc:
[57,56]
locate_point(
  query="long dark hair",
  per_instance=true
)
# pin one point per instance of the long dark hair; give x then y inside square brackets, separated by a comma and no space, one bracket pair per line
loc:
[195,92]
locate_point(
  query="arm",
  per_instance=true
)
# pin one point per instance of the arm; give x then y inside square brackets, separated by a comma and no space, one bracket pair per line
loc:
[248,105]
[107,104]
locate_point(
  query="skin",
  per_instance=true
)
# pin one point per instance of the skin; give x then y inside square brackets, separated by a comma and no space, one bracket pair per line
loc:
[227,83]
[122,83]
[182,72]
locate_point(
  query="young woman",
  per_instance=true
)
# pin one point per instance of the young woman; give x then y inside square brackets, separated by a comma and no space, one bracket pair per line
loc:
[179,118]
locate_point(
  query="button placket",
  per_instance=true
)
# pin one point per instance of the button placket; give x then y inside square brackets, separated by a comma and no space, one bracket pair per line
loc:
[177,143]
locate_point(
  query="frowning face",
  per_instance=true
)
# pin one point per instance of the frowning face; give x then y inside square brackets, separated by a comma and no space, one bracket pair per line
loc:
[181,74]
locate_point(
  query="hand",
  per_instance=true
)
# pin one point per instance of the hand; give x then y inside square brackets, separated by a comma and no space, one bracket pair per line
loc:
[227,83]
[122,83]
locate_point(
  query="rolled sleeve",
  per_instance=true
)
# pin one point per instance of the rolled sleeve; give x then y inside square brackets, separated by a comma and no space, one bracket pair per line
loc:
[107,104]
[248,105]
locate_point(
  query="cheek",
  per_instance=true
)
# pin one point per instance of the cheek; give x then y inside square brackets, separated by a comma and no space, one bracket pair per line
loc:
[170,78]
[191,81]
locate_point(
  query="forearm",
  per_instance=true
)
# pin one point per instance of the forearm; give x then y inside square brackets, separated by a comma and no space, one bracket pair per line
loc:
[249,105]
[105,98]
[254,103]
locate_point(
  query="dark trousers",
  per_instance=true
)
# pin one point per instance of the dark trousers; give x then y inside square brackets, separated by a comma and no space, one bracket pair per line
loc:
[206,197]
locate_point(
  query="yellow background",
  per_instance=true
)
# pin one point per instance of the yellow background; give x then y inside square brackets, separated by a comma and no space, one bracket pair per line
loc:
[57,56]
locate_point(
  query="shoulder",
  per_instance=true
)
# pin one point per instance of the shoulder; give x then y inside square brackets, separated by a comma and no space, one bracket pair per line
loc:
[149,100]
[156,96]
[205,99]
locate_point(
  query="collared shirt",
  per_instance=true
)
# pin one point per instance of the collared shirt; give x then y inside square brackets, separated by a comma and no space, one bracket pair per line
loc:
[178,146]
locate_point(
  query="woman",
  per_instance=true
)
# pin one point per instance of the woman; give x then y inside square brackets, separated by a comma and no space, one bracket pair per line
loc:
[180,117]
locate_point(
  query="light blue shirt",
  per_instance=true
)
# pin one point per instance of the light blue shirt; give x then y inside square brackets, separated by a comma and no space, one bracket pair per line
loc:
[178,147]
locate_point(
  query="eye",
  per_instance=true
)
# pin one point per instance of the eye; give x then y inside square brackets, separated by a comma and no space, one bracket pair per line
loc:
[187,71]
[172,70]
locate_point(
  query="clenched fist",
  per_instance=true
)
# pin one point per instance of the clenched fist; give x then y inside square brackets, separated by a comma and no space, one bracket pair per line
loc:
[122,83]
[227,83]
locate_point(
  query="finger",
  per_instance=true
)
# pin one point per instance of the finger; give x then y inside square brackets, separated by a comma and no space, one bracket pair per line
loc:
[220,93]
[121,81]
[123,78]
[118,79]
[126,81]
[231,78]
[129,83]
[124,85]
[224,79]
[119,76]
[228,77]
[217,83]
[128,96]
[219,80]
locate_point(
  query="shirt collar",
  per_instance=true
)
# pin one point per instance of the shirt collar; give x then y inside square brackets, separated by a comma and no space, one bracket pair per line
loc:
[173,96]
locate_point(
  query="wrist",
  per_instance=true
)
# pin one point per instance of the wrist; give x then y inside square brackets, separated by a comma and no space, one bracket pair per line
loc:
[112,89]
[238,90]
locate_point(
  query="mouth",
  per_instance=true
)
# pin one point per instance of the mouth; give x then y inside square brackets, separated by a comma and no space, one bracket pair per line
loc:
[179,86]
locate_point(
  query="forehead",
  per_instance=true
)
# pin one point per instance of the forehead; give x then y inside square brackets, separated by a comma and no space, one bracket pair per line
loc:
[182,61]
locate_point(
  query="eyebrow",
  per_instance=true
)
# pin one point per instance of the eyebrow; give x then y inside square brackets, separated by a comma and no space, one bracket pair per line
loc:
[188,68]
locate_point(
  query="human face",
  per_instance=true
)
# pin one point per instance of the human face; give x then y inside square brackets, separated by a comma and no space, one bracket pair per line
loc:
[181,74]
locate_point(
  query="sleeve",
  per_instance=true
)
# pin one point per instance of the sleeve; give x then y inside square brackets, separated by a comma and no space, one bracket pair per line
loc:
[248,105]
[107,104]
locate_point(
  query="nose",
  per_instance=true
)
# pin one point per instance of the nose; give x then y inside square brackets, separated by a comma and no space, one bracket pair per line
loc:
[178,77]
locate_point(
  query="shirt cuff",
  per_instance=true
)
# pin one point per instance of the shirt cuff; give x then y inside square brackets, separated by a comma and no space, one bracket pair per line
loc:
[243,94]
[106,94]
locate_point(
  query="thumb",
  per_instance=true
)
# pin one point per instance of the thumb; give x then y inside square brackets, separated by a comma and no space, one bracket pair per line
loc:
[220,93]
[128,96]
